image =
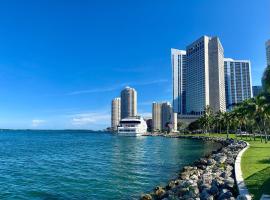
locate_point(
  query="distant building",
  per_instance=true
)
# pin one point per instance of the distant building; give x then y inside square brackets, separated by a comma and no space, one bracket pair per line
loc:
[187,119]
[179,67]
[149,123]
[267,46]
[115,113]
[156,116]
[166,113]
[238,84]
[257,90]
[205,83]
[161,115]
[128,103]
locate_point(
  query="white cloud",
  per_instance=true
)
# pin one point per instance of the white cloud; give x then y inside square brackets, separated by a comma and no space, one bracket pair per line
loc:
[93,118]
[37,122]
[97,90]
[151,82]
[146,114]
[116,87]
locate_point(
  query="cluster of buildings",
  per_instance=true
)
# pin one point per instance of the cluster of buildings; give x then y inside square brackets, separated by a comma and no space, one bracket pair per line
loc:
[123,107]
[163,118]
[201,76]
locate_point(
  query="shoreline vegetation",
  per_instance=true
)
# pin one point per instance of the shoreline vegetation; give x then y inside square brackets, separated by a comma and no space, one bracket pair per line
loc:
[213,176]
[210,177]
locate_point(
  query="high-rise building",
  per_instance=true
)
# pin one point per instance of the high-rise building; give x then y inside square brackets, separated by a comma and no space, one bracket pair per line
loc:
[156,116]
[205,83]
[115,113]
[166,115]
[128,103]
[257,90]
[178,60]
[161,115]
[238,84]
[267,46]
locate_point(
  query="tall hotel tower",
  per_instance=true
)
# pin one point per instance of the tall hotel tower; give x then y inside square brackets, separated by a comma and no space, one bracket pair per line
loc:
[128,103]
[267,46]
[205,76]
[116,113]
[238,84]
[156,116]
[179,66]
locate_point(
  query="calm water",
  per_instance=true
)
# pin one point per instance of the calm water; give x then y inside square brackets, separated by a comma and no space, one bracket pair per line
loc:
[79,165]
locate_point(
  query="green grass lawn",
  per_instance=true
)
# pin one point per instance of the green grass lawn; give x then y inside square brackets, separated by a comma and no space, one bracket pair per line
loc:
[255,165]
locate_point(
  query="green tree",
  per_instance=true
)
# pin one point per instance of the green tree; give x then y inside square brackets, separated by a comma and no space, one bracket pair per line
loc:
[226,121]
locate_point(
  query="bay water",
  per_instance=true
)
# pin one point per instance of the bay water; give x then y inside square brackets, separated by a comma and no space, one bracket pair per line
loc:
[67,165]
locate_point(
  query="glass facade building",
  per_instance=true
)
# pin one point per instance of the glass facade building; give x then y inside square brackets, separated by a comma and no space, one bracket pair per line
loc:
[238,85]
[257,90]
[179,67]
[267,46]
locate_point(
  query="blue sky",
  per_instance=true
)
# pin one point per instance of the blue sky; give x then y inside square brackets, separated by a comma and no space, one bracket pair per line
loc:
[61,62]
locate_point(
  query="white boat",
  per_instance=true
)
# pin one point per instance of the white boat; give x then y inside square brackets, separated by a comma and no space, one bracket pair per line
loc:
[132,126]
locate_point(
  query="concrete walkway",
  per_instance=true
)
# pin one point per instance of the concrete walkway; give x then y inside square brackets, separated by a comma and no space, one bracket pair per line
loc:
[243,191]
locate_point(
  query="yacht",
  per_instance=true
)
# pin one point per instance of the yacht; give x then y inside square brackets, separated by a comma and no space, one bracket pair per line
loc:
[132,126]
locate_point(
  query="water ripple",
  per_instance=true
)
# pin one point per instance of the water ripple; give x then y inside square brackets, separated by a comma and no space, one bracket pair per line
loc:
[60,165]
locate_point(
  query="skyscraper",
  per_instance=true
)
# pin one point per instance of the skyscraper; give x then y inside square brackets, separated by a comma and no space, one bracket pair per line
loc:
[178,60]
[257,90]
[128,103]
[267,46]
[156,116]
[166,115]
[238,84]
[161,115]
[205,76]
[115,113]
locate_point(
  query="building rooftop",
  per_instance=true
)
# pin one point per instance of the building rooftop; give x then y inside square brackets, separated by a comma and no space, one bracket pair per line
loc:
[232,60]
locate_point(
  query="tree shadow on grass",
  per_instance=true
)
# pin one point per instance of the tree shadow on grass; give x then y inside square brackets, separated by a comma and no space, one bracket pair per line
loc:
[259,183]
[265,161]
[266,147]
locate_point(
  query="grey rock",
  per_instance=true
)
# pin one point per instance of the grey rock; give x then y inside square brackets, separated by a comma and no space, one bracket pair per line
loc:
[146,197]
[241,197]
[225,195]
[205,186]
[206,196]
[194,177]
[160,192]
[211,161]
[229,182]
[214,190]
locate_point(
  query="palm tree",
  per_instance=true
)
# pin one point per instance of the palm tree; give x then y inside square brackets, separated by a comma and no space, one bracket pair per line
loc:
[226,119]
[250,107]
[218,119]
[208,117]
[262,114]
